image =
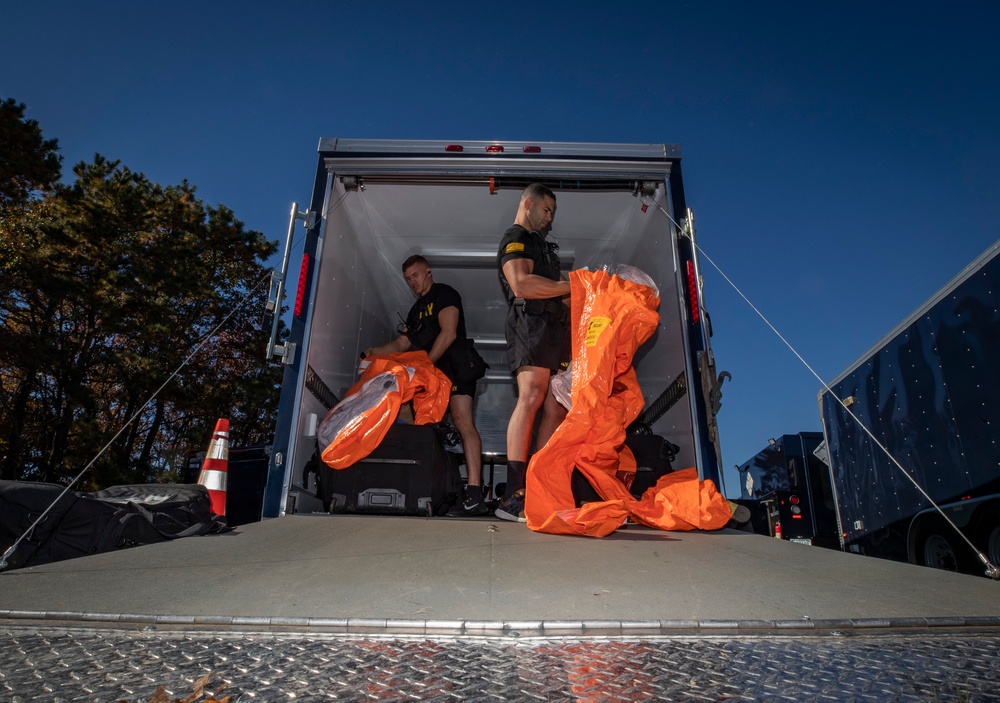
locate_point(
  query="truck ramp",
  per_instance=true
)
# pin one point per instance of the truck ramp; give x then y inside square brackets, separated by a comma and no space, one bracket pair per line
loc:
[101,665]
[362,608]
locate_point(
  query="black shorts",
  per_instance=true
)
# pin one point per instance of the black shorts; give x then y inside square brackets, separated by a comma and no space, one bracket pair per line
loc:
[467,388]
[457,388]
[537,339]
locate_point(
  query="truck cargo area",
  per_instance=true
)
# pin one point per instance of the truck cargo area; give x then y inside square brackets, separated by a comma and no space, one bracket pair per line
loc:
[377,203]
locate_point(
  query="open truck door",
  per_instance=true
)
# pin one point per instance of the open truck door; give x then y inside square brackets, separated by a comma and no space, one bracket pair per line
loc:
[376,202]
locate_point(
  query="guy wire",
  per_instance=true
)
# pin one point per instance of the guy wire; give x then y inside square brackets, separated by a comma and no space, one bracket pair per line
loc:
[991,570]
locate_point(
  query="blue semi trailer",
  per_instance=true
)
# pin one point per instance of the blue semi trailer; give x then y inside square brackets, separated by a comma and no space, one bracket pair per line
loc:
[929,392]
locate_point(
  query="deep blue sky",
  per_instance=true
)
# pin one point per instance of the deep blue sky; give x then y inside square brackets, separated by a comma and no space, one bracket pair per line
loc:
[842,159]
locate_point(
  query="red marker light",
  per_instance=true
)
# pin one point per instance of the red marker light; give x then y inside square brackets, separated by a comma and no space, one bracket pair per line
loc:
[454,147]
[693,293]
[494,149]
[794,500]
[532,150]
[300,293]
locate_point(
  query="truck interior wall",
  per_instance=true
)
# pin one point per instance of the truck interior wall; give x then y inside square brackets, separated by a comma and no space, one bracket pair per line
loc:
[360,295]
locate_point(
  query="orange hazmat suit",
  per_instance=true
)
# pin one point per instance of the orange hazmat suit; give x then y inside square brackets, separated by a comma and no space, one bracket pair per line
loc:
[357,424]
[611,317]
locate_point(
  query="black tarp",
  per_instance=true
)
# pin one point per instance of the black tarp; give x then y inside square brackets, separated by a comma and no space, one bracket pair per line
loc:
[77,524]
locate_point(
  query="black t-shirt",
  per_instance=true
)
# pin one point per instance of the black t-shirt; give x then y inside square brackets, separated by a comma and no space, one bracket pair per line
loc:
[519,243]
[422,322]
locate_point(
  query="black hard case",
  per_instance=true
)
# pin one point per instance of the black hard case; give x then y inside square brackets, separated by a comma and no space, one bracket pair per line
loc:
[409,473]
[653,457]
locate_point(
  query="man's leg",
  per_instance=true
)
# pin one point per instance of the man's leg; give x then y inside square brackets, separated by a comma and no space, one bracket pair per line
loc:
[461,414]
[462,417]
[532,387]
[553,413]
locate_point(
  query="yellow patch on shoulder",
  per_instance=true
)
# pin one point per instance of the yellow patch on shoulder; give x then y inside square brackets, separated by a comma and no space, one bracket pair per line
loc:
[514,246]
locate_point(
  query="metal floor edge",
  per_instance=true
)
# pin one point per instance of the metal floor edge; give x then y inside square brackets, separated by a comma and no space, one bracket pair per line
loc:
[502,628]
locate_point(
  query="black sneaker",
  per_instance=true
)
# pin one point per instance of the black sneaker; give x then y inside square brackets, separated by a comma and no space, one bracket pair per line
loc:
[512,508]
[471,504]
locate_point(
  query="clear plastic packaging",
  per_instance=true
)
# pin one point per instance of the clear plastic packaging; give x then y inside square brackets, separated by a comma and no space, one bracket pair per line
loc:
[631,273]
[347,413]
[562,386]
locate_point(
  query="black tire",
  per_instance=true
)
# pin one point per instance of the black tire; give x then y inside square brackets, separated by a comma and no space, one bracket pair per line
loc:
[988,538]
[940,547]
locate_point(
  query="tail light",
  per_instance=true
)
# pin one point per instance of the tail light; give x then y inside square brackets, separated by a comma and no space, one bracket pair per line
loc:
[795,510]
[693,293]
[300,293]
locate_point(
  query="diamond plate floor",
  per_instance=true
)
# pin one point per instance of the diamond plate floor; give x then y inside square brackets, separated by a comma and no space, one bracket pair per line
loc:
[52,664]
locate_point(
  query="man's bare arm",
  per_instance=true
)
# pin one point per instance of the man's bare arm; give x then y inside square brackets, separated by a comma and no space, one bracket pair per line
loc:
[526,284]
[399,344]
[448,319]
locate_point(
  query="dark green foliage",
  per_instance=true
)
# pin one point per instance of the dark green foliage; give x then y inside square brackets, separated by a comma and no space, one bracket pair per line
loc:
[106,286]
[28,163]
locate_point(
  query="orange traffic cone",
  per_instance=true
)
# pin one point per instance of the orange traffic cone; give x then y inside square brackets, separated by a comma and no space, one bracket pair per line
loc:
[214,470]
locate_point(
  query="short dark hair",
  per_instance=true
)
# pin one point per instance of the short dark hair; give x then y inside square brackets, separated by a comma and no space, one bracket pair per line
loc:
[415,259]
[536,191]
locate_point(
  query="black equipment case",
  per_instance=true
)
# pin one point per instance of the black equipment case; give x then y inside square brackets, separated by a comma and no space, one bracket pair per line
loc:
[409,473]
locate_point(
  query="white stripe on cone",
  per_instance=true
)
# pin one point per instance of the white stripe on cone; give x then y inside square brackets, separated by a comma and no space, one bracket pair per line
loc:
[213,479]
[214,469]
[219,448]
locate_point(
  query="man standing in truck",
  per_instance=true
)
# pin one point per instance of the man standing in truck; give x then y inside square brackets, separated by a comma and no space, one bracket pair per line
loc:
[537,332]
[436,325]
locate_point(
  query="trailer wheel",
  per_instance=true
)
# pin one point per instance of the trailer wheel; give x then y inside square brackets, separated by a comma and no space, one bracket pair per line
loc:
[938,553]
[989,540]
[940,548]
